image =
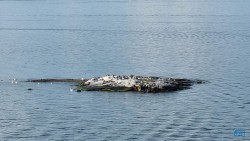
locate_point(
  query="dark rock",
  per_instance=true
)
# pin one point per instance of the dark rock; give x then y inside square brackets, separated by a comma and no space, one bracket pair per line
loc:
[57,80]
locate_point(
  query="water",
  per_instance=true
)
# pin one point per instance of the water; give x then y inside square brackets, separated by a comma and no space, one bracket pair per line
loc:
[194,39]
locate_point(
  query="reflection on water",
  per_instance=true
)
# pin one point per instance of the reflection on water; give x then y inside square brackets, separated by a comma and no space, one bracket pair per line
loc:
[72,39]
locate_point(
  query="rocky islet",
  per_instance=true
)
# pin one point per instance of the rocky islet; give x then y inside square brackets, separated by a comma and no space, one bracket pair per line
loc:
[123,83]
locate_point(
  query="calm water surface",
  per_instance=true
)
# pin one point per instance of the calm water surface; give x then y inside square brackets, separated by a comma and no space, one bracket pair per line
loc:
[201,39]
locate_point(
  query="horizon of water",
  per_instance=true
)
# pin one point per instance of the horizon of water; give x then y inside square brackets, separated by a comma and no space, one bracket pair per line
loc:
[195,39]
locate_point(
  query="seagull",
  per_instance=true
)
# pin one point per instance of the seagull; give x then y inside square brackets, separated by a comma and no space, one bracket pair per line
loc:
[71,89]
[51,83]
[38,84]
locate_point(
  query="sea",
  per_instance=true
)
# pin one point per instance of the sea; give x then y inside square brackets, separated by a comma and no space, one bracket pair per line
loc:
[193,39]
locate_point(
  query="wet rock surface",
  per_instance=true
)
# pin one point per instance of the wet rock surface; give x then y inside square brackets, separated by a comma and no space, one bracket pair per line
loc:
[57,80]
[113,83]
[137,83]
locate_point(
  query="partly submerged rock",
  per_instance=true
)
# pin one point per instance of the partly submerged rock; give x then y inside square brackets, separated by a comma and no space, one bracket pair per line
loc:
[113,83]
[136,83]
[57,80]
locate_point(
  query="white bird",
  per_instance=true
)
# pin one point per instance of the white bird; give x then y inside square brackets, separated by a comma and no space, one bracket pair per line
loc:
[51,83]
[16,82]
[71,89]
[38,84]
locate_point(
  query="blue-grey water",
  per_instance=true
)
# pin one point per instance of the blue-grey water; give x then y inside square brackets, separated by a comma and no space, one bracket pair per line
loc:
[196,39]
